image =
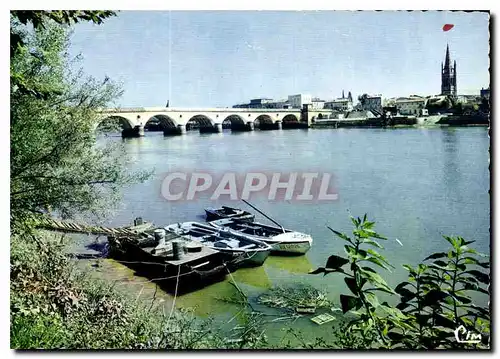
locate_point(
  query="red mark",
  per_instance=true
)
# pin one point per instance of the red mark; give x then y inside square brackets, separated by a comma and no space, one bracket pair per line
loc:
[448,27]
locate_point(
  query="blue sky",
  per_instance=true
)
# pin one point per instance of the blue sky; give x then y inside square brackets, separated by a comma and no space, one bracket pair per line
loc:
[221,58]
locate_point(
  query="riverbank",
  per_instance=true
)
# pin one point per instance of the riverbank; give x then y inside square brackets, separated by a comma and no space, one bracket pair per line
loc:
[400,121]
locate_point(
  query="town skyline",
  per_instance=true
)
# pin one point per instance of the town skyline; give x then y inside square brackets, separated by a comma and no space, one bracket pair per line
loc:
[210,58]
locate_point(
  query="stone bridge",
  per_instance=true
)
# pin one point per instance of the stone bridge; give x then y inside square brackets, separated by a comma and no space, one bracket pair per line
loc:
[174,120]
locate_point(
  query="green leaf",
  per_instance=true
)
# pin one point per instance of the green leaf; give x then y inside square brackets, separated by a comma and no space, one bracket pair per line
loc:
[382,289]
[403,305]
[349,302]
[469,260]
[335,262]
[351,252]
[395,336]
[422,319]
[440,263]
[353,286]
[475,287]
[436,256]
[378,262]
[444,321]
[474,310]
[372,242]
[462,299]
[375,279]
[484,264]
[318,271]
[326,271]
[409,269]
[401,285]
[372,299]
[379,256]
[341,235]
[480,276]
[406,294]
[376,235]
[452,241]
[368,269]
[433,297]
[360,233]
[368,225]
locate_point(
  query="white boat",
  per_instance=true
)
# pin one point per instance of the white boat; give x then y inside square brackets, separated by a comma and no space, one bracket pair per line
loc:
[251,251]
[281,240]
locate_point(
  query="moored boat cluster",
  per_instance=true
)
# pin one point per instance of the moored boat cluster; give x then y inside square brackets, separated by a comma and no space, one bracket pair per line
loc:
[190,255]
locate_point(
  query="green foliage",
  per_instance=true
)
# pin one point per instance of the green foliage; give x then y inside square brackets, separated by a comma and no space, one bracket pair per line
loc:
[439,105]
[56,305]
[436,298]
[55,162]
[39,20]
[434,301]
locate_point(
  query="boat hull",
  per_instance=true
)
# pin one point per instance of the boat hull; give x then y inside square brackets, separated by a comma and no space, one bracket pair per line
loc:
[212,215]
[244,257]
[289,248]
[284,247]
[173,279]
[253,258]
[288,243]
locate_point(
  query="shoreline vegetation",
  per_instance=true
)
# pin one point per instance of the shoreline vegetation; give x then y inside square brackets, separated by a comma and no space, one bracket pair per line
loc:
[55,304]
[56,169]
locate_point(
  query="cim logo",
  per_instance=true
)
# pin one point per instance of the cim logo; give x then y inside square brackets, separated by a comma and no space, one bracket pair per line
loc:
[462,335]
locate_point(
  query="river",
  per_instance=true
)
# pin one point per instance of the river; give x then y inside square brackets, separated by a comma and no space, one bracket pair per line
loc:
[416,183]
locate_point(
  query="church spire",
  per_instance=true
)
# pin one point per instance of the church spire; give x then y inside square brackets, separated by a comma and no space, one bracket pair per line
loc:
[448,75]
[343,94]
[447,59]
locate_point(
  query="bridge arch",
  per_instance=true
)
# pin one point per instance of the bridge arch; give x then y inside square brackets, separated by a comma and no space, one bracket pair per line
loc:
[290,118]
[264,122]
[202,120]
[235,119]
[165,121]
[124,122]
[263,119]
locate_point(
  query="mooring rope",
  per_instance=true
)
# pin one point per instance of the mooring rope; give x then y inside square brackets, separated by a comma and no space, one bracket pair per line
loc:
[64,226]
[175,296]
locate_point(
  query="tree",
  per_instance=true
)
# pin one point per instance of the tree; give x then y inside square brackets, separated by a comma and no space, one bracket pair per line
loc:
[362,99]
[56,164]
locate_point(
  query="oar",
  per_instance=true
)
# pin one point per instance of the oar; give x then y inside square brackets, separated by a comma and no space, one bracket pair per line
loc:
[269,218]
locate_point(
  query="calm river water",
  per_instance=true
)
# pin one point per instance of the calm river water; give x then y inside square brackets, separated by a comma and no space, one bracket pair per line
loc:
[416,183]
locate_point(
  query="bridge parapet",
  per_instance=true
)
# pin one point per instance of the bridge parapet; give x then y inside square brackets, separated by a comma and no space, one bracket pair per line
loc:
[213,109]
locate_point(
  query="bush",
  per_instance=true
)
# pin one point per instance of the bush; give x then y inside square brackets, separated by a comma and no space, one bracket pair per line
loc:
[54,305]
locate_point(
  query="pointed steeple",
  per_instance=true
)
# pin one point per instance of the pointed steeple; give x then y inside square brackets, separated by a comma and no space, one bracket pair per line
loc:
[343,94]
[349,96]
[447,58]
